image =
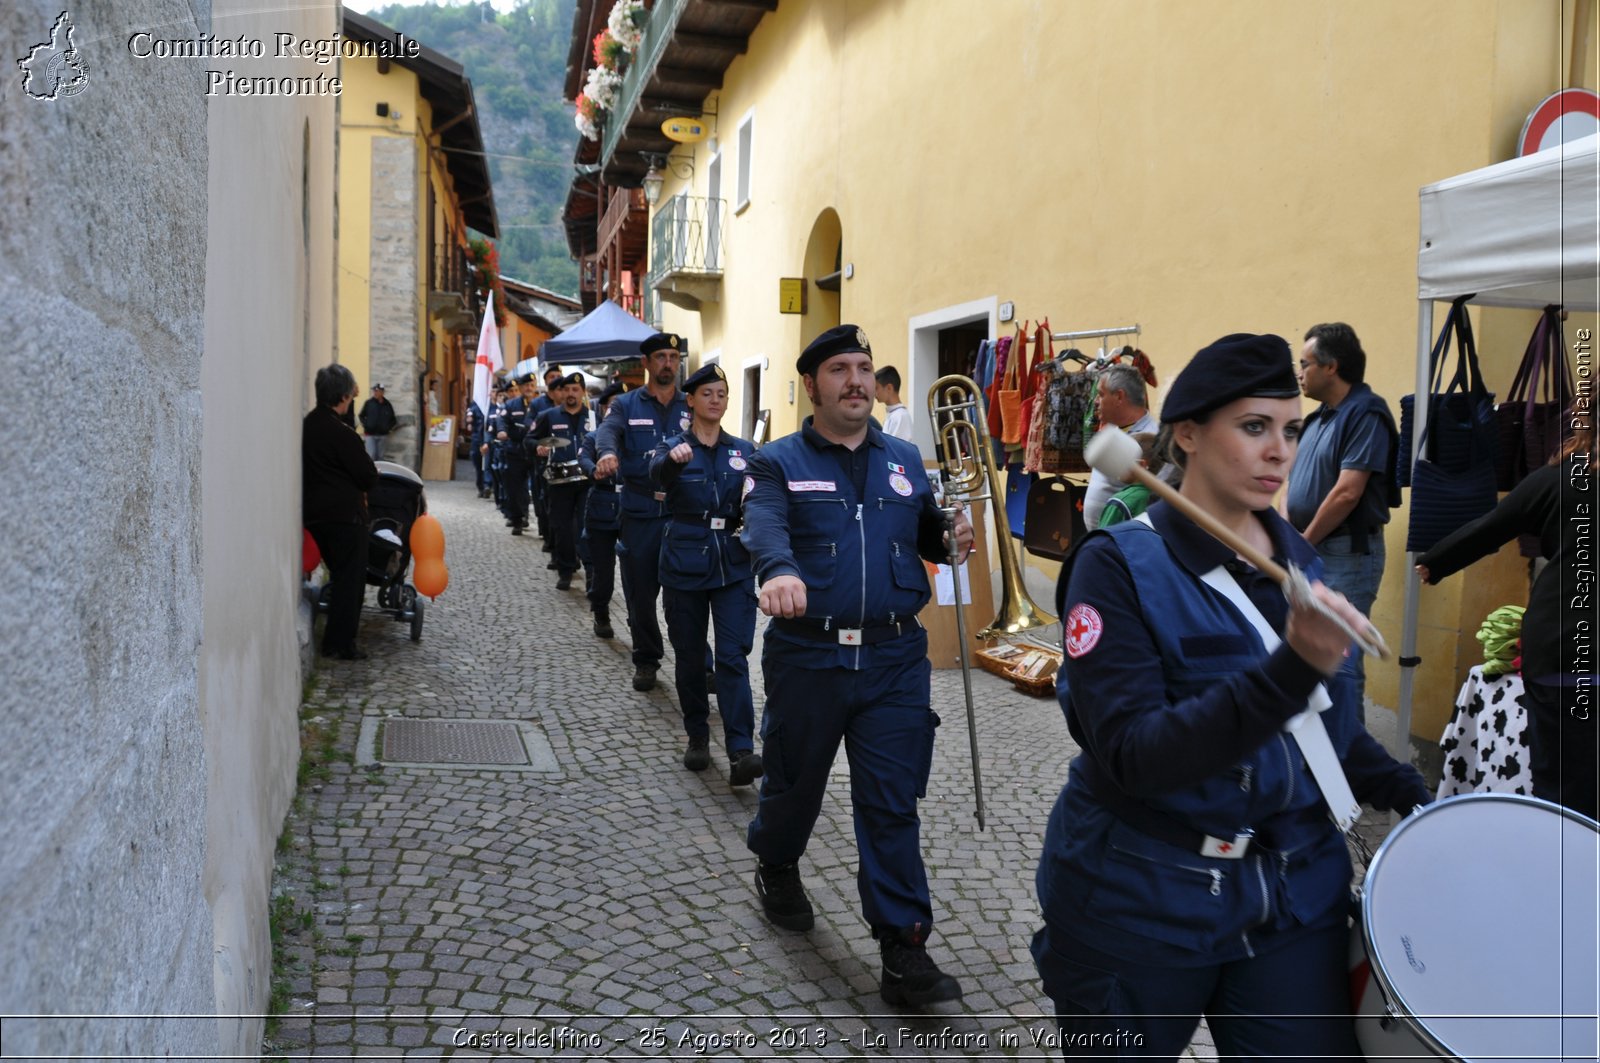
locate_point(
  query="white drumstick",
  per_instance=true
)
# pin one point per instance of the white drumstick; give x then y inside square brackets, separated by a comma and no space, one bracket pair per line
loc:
[1116,454]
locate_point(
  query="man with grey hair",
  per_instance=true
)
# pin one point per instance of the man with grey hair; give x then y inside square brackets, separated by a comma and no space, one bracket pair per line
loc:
[1120,400]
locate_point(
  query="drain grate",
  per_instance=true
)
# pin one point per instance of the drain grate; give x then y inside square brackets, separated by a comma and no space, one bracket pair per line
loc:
[452,742]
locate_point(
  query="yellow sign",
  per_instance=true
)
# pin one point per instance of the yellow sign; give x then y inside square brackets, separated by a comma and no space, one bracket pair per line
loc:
[791,295]
[685,130]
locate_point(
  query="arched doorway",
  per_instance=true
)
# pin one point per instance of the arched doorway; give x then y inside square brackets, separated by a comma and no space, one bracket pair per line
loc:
[824,260]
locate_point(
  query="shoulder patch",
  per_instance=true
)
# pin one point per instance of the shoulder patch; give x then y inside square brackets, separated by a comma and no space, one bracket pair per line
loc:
[1083,629]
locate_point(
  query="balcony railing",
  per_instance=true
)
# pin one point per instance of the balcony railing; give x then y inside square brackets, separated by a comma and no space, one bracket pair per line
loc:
[658,30]
[686,252]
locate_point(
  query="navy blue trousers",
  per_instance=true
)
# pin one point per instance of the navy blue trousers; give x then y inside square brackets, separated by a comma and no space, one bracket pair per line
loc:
[641,584]
[732,612]
[1292,1001]
[565,504]
[597,549]
[516,488]
[882,715]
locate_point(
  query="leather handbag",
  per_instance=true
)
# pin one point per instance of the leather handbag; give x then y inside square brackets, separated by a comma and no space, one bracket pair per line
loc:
[1055,517]
[1002,361]
[1453,480]
[1531,432]
[1042,349]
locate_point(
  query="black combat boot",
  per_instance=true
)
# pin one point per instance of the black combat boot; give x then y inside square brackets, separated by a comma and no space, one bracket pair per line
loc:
[644,677]
[698,756]
[746,767]
[910,977]
[602,625]
[782,897]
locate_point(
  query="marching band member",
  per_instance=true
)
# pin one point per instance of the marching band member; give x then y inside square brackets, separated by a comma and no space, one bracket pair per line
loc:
[626,440]
[1190,865]
[602,518]
[563,501]
[705,574]
[838,518]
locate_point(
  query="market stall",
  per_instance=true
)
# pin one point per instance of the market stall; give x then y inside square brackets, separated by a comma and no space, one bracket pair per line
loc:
[1521,233]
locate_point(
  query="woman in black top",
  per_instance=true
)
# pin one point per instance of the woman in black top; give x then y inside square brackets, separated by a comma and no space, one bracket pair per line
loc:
[335,475]
[1556,503]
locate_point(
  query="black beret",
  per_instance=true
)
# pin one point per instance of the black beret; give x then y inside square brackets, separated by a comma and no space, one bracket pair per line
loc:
[706,374]
[1233,367]
[525,378]
[570,378]
[612,390]
[663,341]
[841,339]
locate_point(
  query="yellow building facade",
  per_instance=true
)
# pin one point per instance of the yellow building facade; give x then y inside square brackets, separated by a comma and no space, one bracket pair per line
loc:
[412,181]
[1195,169]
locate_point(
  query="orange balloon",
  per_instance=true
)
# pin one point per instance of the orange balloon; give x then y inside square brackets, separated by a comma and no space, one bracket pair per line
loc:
[427,538]
[430,576]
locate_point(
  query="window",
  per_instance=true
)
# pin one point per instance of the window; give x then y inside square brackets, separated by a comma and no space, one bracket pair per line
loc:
[713,214]
[747,128]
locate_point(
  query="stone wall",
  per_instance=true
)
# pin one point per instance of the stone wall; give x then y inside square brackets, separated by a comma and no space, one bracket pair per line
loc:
[396,330]
[102,761]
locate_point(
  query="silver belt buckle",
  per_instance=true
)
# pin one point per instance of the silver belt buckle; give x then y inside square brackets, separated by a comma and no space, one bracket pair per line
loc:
[718,523]
[660,496]
[1222,849]
[849,636]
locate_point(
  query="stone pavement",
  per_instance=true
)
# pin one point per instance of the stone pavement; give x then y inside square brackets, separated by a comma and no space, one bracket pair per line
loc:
[605,908]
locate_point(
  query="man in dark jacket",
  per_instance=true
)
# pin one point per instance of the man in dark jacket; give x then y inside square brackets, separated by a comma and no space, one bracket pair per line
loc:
[377,421]
[335,475]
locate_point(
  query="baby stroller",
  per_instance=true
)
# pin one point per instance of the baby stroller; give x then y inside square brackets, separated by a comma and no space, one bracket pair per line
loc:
[393,504]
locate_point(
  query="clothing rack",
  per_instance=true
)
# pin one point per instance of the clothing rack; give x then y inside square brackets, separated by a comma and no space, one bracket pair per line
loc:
[1096,333]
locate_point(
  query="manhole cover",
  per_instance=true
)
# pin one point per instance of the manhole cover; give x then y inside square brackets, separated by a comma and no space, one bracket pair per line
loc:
[452,742]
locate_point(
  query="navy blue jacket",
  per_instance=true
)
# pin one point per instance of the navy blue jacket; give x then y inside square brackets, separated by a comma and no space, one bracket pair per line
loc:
[634,428]
[859,553]
[705,490]
[602,507]
[475,424]
[1179,711]
[516,422]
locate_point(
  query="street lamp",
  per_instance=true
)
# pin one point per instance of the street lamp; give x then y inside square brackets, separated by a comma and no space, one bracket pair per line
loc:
[656,175]
[653,180]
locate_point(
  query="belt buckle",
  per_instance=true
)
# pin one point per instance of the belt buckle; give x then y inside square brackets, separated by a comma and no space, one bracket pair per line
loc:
[718,523]
[1222,849]
[849,636]
[659,496]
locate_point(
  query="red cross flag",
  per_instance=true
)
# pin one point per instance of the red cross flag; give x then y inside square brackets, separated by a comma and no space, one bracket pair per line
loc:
[488,360]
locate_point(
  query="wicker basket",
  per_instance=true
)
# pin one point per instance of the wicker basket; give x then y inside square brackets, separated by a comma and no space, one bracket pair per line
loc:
[1042,685]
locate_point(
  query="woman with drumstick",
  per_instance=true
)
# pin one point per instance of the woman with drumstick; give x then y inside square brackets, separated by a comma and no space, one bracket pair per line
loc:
[1191,866]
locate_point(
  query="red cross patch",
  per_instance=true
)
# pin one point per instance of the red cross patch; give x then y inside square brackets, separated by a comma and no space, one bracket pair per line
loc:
[1083,629]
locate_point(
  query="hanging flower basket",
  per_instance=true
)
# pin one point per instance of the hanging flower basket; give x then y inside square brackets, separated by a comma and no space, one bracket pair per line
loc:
[587,118]
[601,86]
[609,52]
[626,24]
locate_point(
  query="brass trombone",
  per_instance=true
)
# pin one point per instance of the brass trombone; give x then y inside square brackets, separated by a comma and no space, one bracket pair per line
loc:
[966,466]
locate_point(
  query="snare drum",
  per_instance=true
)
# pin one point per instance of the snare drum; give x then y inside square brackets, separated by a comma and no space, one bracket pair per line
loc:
[1478,932]
[564,472]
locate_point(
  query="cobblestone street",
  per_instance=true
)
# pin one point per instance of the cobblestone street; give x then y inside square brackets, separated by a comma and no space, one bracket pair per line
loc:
[605,908]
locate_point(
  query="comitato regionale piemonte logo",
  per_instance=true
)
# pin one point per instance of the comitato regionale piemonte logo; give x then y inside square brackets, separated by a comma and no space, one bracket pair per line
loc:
[54,68]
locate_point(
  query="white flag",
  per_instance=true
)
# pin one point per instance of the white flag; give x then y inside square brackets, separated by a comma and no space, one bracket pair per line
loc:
[488,360]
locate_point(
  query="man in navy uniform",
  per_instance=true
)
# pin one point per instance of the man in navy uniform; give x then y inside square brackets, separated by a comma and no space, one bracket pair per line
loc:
[519,417]
[705,574]
[602,518]
[549,399]
[630,436]
[838,518]
[494,430]
[477,447]
[564,501]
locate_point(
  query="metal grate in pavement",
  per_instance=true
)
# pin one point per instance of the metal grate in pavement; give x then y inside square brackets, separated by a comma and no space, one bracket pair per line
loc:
[409,741]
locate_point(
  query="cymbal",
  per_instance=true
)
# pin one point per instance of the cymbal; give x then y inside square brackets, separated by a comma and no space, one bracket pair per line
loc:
[552,441]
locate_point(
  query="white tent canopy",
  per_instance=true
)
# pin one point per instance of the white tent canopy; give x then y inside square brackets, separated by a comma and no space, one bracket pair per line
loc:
[1523,233]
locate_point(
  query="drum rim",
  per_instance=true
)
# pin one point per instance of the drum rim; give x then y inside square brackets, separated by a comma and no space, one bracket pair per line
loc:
[1380,972]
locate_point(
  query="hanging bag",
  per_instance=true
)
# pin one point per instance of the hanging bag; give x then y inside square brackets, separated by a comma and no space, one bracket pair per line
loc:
[1452,450]
[1011,392]
[1002,358]
[1453,480]
[1030,384]
[1055,518]
[1530,432]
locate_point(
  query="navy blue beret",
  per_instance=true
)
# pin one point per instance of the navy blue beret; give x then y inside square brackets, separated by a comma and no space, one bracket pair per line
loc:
[525,378]
[1236,366]
[841,339]
[612,390]
[570,378]
[663,341]
[706,374]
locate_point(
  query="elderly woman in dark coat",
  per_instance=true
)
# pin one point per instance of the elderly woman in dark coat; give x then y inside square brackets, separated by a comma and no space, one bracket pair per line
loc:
[336,474]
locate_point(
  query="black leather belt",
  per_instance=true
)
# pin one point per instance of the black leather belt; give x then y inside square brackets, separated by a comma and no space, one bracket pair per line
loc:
[656,496]
[714,523]
[870,635]
[1360,537]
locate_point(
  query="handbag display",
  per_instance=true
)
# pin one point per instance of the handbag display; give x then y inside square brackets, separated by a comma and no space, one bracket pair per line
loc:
[1065,395]
[1055,517]
[1453,480]
[1010,391]
[1531,432]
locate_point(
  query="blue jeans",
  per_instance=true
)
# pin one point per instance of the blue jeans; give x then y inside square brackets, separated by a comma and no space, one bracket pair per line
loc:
[1356,576]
